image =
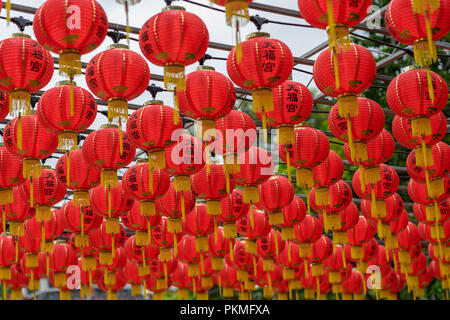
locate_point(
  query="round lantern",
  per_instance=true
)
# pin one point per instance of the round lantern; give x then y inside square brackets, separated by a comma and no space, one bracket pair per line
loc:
[274,194]
[145,186]
[21,77]
[76,111]
[293,214]
[185,158]
[359,129]
[165,239]
[199,223]
[10,175]
[211,184]
[16,213]
[321,249]
[326,174]
[233,208]
[117,75]
[61,258]
[361,233]
[174,39]
[140,254]
[219,246]
[70,29]
[101,150]
[43,193]
[27,138]
[110,203]
[344,76]
[253,226]
[106,242]
[144,130]
[292,104]
[7,257]
[269,247]
[265,64]
[208,96]
[256,167]
[349,218]
[76,174]
[46,231]
[307,232]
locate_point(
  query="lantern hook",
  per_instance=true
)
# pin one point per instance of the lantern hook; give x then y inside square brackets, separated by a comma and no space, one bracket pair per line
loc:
[168,2]
[204,58]
[116,36]
[154,90]
[258,21]
[21,23]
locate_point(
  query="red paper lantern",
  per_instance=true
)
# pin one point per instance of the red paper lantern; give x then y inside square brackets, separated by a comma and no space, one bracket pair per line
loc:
[113,288]
[233,208]
[60,259]
[181,280]
[4,105]
[219,246]
[256,168]
[140,254]
[274,194]
[344,76]
[293,214]
[145,185]
[361,233]
[184,159]
[10,175]
[80,220]
[70,29]
[117,75]
[211,184]
[46,231]
[110,203]
[253,226]
[8,256]
[187,253]
[174,39]
[269,247]
[76,174]
[43,192]
[151,128]
[21,77]
[174,204]
[320,250]
[265,64]
[106,242]
[76,111]
[226,279]
[133,278]
[16,213]
[101,150]
[17,282]
[27,138]
[292,104]
[199,224]
[340,198]
[307,232]
[161,270]
[166,239]
[208,96]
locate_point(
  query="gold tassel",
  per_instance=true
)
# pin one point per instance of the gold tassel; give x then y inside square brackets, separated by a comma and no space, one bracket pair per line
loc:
[6,196]
[158,159]
[105,258]
[230,230]
[287,233]
[112,226]
[262,100]
[147,208]
[174,225]
[70,65]
[121,140]
[8,12]
[19,102]
[347,106]
[372,174]
[81,198]
[174,77]
[421,127]
[43,213]
[19,132]
[182,183]
[304,178]
[71,97]
[176,114]
[108,178]
[276,218]
[357,252]
[117,108]
[424,156]
[183,207]
[264,124]
[193,270]
[250,246]
[251,194]
[360,150]
[217,263]
[288,164]
[252,219]
[214,207]
[362,179]
[165,254]
[201,244]
[230,251]
[322,196]
[317,269]
[32,168]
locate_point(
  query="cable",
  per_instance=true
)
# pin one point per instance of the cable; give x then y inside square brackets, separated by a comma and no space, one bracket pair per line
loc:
[382,42]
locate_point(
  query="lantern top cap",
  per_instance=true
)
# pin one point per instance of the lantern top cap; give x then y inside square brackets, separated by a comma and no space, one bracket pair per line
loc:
[65,83]
[20,35]
[109,125]
[142,160]
[118,46]
[410,67]
[153,102]
[45,166]
[304,124]
[173,8]
[258,35]
[199,68]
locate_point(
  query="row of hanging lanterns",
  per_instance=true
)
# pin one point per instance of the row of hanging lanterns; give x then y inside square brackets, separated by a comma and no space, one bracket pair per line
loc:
[263,235]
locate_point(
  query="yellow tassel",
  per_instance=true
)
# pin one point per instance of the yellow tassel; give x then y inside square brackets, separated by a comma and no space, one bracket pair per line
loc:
[288,274]
[430,84]
[176,114]
[81,198]
[362,180]
[304,250]
[229,230]
[147,208]
[250,246]
[215,229]
[193,271]
[19,132]
[424,156]
[183,208]
[217,263]
[158,159]
[264,124]
[165,254]
[43,213]
[276,218]
[32,168]
[182,183]
[214,207]
[335,67]
[230,250]
[117,109]
[108,178]
[252,219]
[112,225]
[322,196]
[174,77]
[6,196]
[308,202]
[262,100]
[437,187]
[17,250]
[182,294]
[251,194]
[348,106]
[317,269]
[360,151]
[287,233]
[8,11]
[421,127]
[112,247]
[70,65]
[372,174]
[421,6]
[201,244]
[19,102]
[121,141]
[334,277]
[141,238]
[47,261]
[71,98]
[357,252]
[174,225]
[288,164]
[304,178]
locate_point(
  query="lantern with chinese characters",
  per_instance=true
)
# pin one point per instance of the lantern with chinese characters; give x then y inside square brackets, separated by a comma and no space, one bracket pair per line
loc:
[174,39]
[161,270]
[269,247]
[289,259]
[144,130]
[358,129]
[143,225]
[184,159]
[219,246]
[106,242]
[233,208]
[292,104]
[110,203]
[236,134]
[145,186]
[117,75]
[21,77]
[265,64]
[321,249]
[344,76]
[101,149]
[361,233]
[174,205]
[256,168]
[208,96]
[76,174]
[349,218]
[293,214]
[165,239]
[274,194]
[307,232]
[43,193]
[80,220]
[10,175]
[326,174]
[46,231]
[253,226]
[199,224]
[187,253]
[418,23]
[379,150]
[133,278]
[76,111]
[27,138]
[140,254]
[377,191]
[210,184]
[70,29]
[311,147]
[61,258]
